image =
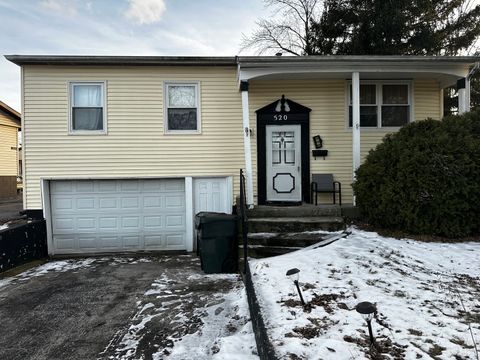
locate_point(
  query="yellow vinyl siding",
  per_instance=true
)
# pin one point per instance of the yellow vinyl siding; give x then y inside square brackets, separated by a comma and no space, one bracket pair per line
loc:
[136,145]
[328,119]
[7,120]
[428,100]
[8,157]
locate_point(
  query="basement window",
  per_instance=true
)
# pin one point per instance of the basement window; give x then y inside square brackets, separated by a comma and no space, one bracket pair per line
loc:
[182,108]
[87,108]
[382,104]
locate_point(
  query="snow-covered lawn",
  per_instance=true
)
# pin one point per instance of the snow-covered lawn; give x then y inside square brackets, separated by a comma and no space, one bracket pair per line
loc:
[427,297]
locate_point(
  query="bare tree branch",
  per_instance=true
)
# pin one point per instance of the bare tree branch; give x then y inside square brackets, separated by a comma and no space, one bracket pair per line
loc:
[288,31]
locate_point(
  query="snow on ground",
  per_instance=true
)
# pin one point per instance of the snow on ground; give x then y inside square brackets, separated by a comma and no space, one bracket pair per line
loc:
[427,297]
[188,315]
[221,338]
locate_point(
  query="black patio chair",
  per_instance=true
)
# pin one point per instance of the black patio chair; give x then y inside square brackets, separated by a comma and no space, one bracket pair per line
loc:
[324,184]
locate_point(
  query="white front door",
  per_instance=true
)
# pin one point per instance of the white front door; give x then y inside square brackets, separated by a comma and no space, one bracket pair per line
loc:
[284,180]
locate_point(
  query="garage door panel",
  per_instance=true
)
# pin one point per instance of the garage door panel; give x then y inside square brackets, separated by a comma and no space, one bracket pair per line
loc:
[60,187]
[131,241]
[87,242]
[172,185]
[153,202]
[174,201]
[152,222]
[107,186]
[64,242]
[85,203]
[154,241]
[130,223]
[118,215]
[64,224]
[107,223]
[173,240]
[108,203]
[62,203]
[129,186]
[86,224]
[174,221]
[84,186]
[153,186]
[109,242]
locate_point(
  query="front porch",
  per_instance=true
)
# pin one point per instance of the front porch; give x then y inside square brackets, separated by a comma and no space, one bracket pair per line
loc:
[327,98]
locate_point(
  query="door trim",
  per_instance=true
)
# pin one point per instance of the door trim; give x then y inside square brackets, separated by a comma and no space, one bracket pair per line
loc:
[262,122]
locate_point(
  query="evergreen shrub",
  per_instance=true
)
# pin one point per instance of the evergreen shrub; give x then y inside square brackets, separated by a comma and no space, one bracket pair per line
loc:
[425,178]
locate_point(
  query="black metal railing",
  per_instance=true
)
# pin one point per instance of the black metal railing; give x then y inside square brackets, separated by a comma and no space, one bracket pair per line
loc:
[244,219]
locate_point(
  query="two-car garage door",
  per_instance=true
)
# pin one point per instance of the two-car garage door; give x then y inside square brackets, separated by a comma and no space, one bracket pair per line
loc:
[94,216]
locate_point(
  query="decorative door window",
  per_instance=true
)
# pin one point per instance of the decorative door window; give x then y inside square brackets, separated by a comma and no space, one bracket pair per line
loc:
[283,148]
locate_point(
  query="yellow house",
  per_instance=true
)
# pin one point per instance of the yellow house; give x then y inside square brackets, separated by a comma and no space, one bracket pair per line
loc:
[9,161]
[121,152]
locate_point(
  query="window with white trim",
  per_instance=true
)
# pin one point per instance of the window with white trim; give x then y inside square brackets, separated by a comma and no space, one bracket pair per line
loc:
[182,109]
[87,107]
[382,104]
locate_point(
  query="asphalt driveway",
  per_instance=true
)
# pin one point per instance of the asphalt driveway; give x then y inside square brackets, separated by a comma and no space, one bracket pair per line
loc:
[123,308]
[10,209]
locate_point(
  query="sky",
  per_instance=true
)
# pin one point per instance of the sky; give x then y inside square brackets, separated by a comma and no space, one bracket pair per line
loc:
[119,27]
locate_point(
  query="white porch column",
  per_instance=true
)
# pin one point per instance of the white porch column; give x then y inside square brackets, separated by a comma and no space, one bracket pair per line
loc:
[246,143]
[467,94]
[463,95]
[355,123]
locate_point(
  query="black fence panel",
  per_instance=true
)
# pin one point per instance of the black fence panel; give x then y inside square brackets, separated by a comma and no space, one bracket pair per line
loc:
[23,243]
[264,346]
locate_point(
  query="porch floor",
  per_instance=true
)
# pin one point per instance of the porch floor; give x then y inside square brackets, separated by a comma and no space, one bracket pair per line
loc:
[303,210]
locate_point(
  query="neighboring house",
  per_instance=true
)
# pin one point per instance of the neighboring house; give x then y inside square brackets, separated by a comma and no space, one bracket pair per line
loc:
[121,152]
[10,121]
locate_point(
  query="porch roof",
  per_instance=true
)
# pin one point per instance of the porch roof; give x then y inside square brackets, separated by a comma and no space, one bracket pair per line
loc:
[445,69]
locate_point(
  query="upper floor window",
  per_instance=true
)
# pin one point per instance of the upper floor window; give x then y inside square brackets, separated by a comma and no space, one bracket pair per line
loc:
[382,104]
[182,107]
[87,107]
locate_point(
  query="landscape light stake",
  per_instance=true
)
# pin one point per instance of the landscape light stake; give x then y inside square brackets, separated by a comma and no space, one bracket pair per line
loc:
[294,275]
[367,309]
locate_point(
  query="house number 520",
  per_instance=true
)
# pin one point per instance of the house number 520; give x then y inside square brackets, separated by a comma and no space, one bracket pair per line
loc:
[280,117]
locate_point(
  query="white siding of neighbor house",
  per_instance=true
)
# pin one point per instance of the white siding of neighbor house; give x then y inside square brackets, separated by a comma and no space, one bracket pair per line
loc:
[136,145]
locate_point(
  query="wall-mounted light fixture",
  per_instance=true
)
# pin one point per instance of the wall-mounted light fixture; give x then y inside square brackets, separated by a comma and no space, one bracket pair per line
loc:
[318,142]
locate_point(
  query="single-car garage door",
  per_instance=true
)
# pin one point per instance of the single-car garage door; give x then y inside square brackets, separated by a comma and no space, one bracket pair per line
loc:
[96,216]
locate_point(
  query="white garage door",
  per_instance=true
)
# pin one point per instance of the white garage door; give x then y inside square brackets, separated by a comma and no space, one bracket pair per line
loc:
[95,216]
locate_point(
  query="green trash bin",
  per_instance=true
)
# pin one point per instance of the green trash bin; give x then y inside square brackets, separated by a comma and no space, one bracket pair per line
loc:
[217,243]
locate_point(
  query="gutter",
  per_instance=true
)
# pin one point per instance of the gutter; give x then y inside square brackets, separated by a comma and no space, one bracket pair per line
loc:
[122,60]
[473,70]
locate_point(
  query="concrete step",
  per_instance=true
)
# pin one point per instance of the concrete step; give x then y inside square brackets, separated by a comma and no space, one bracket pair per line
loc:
[258,251]
[305,210]
[295,224]
[302,239]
